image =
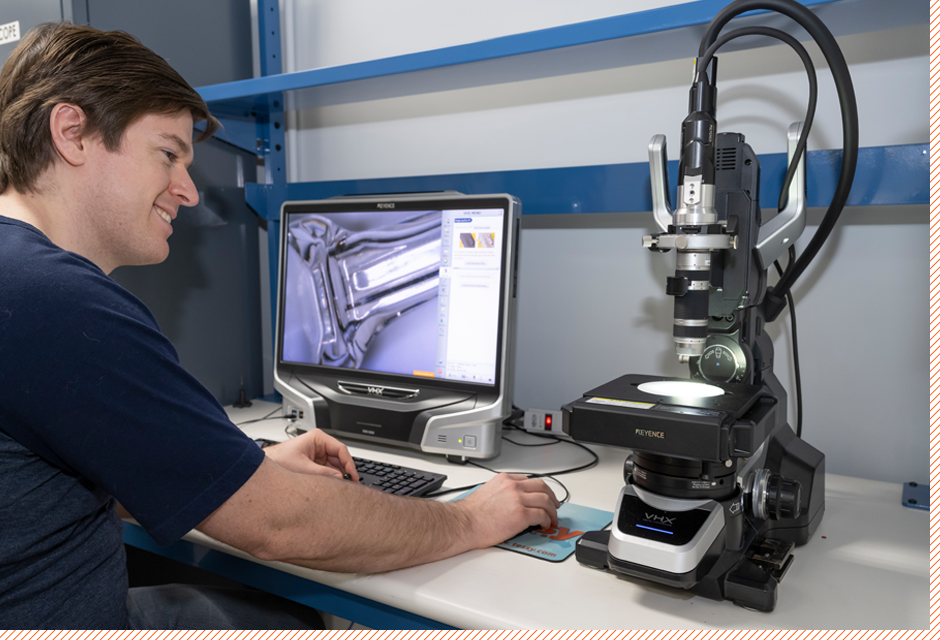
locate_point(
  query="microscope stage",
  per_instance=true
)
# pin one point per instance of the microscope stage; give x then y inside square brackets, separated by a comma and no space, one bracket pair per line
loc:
[708,428]
[735,400]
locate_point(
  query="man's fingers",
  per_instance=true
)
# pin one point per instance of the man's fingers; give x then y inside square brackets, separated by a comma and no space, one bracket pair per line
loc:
[538,499]
[536,485]
[346,464]
[541,518]
[322,470]
[338,456]
[544,504]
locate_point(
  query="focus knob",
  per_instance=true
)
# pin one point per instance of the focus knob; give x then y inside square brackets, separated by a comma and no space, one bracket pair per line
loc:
[783,498]
[771,496]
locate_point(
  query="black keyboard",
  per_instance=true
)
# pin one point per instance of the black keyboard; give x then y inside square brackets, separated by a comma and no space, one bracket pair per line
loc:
[393,478]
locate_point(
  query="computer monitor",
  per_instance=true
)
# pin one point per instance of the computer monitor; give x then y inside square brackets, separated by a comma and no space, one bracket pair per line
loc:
[396,317]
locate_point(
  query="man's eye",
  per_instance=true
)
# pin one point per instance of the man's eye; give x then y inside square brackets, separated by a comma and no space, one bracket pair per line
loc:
[170,155]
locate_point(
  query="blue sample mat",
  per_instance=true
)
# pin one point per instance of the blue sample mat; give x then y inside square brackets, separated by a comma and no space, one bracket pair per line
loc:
[556,544]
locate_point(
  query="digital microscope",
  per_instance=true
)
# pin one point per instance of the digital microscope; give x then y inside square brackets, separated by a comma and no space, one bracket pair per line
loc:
[718,487]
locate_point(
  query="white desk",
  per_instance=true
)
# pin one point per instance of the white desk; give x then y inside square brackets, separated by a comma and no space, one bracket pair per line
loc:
[865,568]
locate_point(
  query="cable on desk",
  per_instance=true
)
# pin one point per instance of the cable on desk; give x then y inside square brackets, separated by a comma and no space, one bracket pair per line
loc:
[267,417]
[287,428]
[444,492]
[296,431]
[512,423]
[523,444]
[555,440]
[549,475]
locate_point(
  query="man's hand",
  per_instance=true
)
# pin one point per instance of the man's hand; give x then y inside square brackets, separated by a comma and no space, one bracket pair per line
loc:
[314,453]
[506,506]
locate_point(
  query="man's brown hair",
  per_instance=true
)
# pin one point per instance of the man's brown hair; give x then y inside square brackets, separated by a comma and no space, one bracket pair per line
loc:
[109,74]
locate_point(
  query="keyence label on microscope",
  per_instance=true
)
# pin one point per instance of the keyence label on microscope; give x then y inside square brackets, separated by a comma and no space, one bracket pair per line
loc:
[621,403]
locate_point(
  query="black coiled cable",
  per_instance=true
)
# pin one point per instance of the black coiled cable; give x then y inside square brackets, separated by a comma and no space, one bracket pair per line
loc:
[775,300]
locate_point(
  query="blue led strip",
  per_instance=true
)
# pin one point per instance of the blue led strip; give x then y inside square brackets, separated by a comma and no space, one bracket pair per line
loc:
[643,526]
[893,175]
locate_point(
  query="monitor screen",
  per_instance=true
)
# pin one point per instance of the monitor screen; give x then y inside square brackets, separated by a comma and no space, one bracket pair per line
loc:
[413,288]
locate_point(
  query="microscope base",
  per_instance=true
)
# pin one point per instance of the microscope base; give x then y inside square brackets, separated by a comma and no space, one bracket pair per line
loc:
[729,575]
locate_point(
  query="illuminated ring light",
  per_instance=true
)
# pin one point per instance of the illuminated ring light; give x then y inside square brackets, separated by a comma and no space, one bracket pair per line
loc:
[679,389]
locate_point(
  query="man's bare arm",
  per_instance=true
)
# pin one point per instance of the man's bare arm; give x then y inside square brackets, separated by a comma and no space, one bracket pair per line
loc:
[325,523]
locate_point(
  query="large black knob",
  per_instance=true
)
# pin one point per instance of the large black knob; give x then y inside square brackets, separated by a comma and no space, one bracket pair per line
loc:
[783,498]
[769,495]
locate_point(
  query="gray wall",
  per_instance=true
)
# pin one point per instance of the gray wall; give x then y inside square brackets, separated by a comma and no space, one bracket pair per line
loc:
[592,305]
[30,13]
[206,295]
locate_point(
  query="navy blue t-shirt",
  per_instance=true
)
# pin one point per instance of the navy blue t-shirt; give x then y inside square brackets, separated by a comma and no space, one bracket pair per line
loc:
[94,407]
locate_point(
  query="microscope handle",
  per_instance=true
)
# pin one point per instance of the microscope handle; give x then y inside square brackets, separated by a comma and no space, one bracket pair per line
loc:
[659,182]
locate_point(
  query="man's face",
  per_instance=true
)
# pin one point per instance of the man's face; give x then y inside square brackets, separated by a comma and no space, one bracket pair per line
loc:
[137,190]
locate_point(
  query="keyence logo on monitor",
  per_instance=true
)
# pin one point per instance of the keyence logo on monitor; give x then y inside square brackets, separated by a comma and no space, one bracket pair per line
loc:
[386,205]
[647,433]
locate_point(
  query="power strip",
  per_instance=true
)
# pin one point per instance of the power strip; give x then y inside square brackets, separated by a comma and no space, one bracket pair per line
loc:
[543,421]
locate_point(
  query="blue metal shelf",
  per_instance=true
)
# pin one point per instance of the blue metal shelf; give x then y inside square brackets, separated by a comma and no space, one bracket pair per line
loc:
[239,99]
[252,110]
[894,175]
[248,95]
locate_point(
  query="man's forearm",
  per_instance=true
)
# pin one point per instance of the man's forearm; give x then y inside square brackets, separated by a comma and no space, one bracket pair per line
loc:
[337,525]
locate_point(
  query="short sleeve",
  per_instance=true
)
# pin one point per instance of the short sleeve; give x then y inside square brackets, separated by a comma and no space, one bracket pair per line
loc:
[89,383]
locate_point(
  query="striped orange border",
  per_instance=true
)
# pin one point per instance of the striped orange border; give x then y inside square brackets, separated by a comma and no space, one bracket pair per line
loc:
[934,399]
[468,635]
[934,308]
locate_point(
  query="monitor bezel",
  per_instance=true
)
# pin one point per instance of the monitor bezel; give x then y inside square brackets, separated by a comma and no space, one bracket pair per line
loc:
[397,203]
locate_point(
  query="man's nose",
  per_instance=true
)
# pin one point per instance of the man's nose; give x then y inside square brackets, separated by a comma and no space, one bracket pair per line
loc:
[184,189]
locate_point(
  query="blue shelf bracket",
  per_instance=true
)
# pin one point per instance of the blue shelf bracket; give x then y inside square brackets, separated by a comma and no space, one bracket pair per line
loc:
[242,131]
[271,125]
[271,121]
[258,126]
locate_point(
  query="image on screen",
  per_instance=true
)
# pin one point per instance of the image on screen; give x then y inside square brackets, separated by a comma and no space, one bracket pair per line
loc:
[414,293]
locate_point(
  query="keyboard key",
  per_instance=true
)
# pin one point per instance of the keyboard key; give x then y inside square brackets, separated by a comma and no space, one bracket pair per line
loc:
[396,479]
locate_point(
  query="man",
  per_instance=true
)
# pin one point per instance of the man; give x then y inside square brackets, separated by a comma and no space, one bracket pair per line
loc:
[95,145]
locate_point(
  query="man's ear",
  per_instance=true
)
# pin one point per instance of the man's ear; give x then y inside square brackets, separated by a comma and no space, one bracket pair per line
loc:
[67,123]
